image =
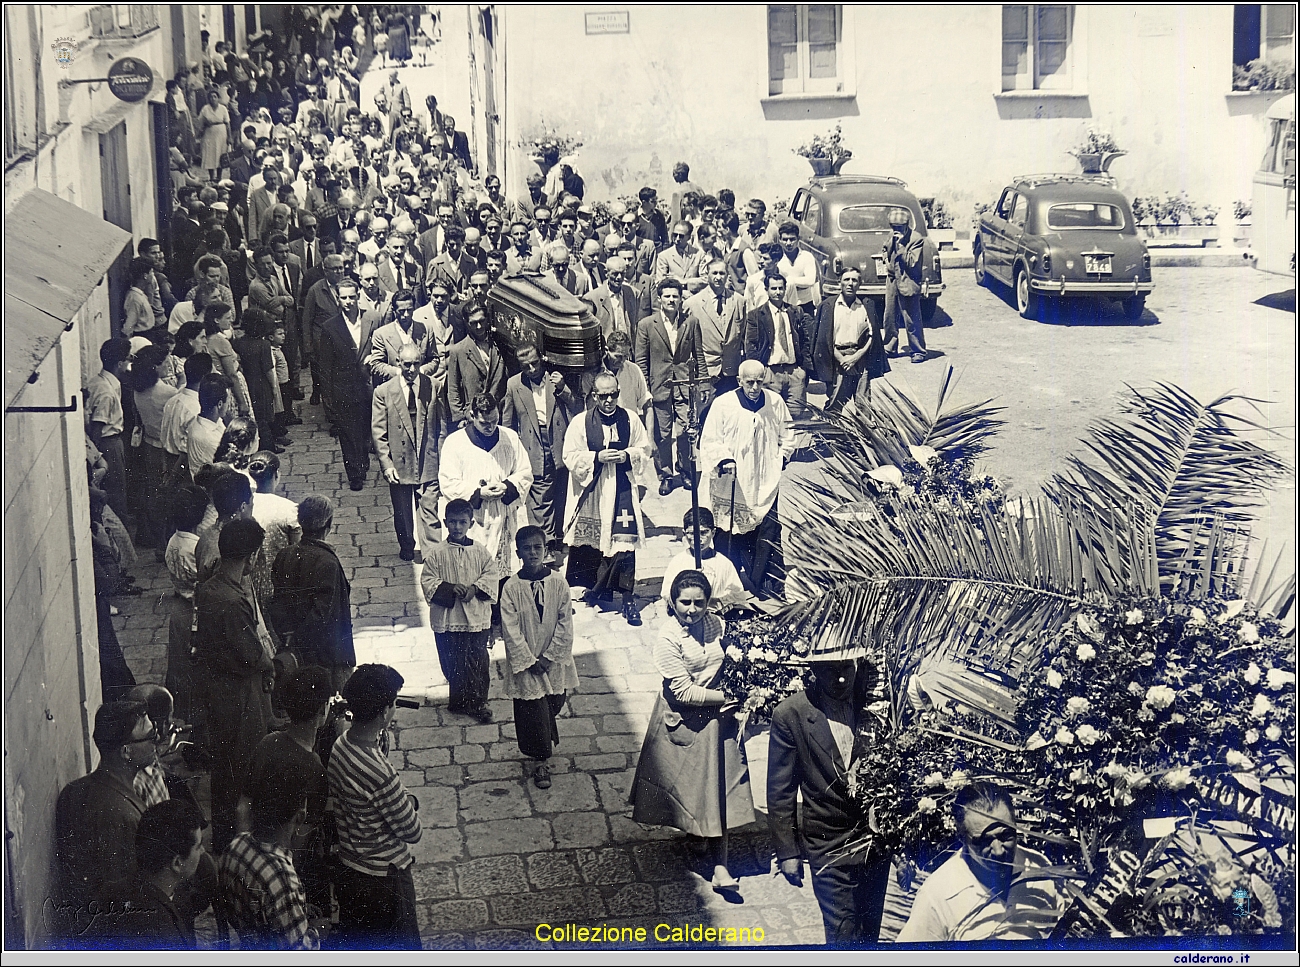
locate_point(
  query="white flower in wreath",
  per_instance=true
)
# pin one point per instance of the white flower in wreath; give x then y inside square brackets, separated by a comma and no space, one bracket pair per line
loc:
[1137,779]
[1233,609]
[1160,697]
[1134,617]
[1262,707]
[958,780]
[1251,737]
[1064,736]
[1089,735]
[1077,706]
[770,655]
[1176,779]
[1085,652]
[734,653]
[1272,733]
[1085,626]
[933,779]
[923,455]
[926,805]
[1113,771]
[1278,679]
[1079,775]
[1238,761]
[754,654]
[1248,633]
[1252,674]
[1054,678]
[1197,617]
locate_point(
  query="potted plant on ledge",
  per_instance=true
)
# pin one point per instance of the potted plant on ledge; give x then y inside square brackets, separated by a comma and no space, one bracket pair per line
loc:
[825,152]
[938,223]
[1096,152]
[1241,212]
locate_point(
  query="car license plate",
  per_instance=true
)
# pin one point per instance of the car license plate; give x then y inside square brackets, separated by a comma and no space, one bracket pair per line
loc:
[1097,264]
[881,270]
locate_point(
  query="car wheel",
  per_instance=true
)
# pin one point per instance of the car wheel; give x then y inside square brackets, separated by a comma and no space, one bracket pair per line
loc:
[1134,307]
[928,308]
[1026,297]
[981,270]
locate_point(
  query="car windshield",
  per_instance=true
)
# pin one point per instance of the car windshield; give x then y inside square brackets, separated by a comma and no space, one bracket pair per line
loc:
[870,218]
[1085,215]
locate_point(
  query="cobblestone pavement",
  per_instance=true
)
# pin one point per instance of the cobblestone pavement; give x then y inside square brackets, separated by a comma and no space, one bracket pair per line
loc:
[500,856]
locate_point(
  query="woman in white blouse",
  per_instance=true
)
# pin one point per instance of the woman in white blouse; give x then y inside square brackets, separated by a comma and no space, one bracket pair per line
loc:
[690,775]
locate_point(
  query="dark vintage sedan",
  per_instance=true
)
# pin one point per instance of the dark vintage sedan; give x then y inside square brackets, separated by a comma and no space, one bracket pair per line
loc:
[531,307]
[1063,236]
[844,221]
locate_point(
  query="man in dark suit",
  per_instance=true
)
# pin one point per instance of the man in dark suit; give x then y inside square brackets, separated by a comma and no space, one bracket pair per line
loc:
[288,269]
[397,270]
[453,267]
[560,271]
[670,352]
[474,366]
[537,406]
[342,347]
[406,423]
[777,336]
[816,736]
[616,303]
[307,247]
[458,143]
[318,304]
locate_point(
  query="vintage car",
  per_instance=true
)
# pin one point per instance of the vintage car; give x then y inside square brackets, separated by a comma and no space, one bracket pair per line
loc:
[530,307]
[844,221]
[1063,235]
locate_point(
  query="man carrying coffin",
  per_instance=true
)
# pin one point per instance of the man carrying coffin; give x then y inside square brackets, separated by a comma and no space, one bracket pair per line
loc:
[608,455]
[747,440]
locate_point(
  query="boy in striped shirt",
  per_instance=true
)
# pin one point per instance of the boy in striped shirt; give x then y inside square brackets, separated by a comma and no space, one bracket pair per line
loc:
[376,819]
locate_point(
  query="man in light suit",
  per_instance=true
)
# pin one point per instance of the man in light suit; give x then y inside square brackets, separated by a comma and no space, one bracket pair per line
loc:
[561,272]
[669,351]
[342,348]
[474,366]
[816,736]
[537,406]
[389,340]
[453,267]
[721,315]
[406,423]
[397,270]
[616,303]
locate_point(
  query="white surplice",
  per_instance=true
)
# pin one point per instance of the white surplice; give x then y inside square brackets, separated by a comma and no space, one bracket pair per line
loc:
[465,467]
[760,441]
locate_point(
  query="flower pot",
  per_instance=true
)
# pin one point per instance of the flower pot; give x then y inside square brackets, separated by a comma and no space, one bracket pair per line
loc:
[822,166]
[943,238]
[1096,162]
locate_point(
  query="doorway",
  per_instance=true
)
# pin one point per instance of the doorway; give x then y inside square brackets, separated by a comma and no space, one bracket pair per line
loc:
[115,183]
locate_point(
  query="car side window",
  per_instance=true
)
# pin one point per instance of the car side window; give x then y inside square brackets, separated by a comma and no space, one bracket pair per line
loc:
[799,204]
[1019,213]
[812,217]
[1005,202]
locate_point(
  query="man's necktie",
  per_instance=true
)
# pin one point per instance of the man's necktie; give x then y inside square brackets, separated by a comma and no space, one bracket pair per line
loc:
[721,300]
[781,334]
[410,401]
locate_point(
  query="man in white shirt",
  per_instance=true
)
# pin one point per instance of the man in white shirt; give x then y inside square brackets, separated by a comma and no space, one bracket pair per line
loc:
[799,269]
[987,890]
[184,406]
[203,433]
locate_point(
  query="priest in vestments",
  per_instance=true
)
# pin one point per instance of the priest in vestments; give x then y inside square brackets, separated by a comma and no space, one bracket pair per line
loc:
[487,465]
[747,441]
[608,455]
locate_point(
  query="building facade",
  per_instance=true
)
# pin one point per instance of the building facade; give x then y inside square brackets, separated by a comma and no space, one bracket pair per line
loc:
[955,100]
[85,179]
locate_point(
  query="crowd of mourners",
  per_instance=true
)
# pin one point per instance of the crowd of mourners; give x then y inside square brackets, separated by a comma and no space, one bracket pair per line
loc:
[325,251]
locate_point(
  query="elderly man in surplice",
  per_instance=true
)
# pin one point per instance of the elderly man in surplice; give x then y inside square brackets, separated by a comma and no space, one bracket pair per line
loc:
[406,423]
[747,440]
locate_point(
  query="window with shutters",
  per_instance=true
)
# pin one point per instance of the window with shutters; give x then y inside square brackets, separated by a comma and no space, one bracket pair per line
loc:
[1038,47]
[23,119]
[805,49]
[1263,46]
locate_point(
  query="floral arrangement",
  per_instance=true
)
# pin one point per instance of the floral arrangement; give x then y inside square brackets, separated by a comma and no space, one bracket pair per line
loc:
[1241,210]
[1173,209]
[1095,142]
[829,146]
[1264,75]
[550,144]
[1158,708]
[602,213]
[758,664]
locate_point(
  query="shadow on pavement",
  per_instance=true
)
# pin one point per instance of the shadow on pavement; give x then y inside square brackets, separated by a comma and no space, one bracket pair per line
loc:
[1278,300]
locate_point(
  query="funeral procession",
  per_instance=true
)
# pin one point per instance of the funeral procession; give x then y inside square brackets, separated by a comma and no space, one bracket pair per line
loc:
[647,477]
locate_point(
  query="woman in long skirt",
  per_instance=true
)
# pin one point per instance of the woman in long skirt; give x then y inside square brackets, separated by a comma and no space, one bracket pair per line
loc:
[214,122]
[399,37]
[690,775]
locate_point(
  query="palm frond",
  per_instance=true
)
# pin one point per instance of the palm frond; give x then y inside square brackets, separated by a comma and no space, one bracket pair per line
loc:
[881,433]
[1179,463]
